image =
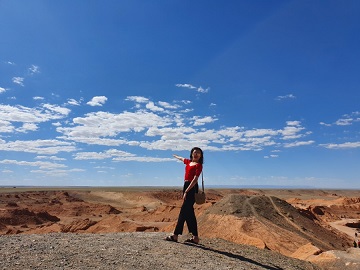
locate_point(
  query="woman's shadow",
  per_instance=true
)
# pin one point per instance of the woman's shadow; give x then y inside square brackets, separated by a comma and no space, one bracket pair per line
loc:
[235,256]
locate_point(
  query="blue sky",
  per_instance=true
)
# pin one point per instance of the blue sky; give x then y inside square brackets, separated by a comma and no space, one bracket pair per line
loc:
[102,93]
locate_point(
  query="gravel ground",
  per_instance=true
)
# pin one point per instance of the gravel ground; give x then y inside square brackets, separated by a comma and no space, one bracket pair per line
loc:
[134,251]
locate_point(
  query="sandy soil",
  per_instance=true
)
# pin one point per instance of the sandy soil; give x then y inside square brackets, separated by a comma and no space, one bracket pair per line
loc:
[303,224]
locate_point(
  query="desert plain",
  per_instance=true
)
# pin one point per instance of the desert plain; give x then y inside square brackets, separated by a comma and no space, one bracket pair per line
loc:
[308,224]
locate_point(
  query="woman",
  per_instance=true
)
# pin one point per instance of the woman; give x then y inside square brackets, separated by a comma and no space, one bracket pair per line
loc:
[193,170]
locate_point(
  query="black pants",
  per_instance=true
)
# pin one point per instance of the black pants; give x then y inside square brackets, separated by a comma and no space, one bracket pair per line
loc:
[187,213]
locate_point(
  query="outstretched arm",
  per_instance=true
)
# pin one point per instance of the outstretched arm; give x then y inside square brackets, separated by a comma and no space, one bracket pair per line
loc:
[179,158]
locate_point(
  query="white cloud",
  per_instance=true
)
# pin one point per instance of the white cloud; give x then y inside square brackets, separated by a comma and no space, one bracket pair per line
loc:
[203,90]
[111,153]
[6,126]
[186,102]
[41,164]
[346,120]
[185,85]
[73,102]
[41,147]
[117,155]
[293,123]
[105,167]
[200,121]
[157,128]
[34,69]
[38,98]
[104,124]
[292,130]
[50,157]
[18,80]
[151,106]
[187,110]
[257,143]
[138,99]
[289,96]
[32,115]
[271,156]
[57,109]
[346,145]
[97,101]
[51,172]
[325,124]
[205,136]
[100,141]
[298,143]
[170,133]
[167,105]
[2,90]
[214,140]
[27,127]
[190,86]
[174,145]
[231,132]
[91,156]
[143,159]
[20,114]
[260,132]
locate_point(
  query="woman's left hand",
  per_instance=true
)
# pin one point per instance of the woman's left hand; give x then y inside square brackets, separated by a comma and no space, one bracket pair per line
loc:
[184,196]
